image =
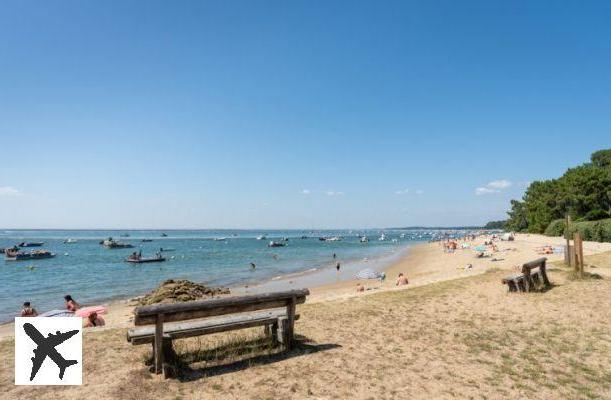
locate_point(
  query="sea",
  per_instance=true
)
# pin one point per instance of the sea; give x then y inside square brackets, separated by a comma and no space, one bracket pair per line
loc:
[93,274]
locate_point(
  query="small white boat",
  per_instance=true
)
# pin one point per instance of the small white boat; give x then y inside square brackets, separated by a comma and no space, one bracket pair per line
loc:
[68,241]
[334,239]
[276,244]
[382,237]
[364,239]
[261,237]
[220,239]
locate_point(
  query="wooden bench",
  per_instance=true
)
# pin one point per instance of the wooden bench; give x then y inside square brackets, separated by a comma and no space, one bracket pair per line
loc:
[161,323]
[533,277]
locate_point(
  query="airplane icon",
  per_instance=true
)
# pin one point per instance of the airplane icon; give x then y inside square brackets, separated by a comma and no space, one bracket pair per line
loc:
[46,347]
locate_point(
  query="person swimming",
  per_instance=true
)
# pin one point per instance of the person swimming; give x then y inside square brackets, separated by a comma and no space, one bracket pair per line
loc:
[28,310]
[252,265]
[71,305]
[93,320]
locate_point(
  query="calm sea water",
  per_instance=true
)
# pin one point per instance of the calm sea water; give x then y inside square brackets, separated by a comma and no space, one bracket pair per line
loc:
[92,273]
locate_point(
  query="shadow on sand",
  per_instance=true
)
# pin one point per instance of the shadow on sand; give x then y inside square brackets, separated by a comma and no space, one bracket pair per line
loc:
[186,369]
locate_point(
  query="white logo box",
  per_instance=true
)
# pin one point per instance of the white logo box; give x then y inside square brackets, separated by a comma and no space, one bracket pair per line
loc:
[67,349]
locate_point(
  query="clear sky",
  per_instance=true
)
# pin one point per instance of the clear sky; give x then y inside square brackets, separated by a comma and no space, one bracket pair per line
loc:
[293,114]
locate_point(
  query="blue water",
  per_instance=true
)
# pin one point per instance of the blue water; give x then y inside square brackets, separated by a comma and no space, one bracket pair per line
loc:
[92,273]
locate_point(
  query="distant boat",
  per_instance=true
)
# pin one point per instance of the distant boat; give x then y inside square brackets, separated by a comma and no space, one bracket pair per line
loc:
[125,235]
[136,259]
[147,240]
[276,244]
[261,237]
[304,237]
[12,255]
[403,235]
[31,244]
[110,243]
[382,237]
[163,235]
[364,239]
[330,238]
[220,239]
[69,241]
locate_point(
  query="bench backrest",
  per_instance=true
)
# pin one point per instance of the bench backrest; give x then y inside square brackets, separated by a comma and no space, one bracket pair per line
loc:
[529,266]
[146,315]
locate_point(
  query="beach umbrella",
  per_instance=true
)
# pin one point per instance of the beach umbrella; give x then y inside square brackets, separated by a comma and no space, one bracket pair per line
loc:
[368,273]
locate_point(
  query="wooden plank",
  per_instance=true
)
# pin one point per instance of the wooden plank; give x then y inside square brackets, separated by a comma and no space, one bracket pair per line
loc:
[159,344]
[207,308]
[198,328]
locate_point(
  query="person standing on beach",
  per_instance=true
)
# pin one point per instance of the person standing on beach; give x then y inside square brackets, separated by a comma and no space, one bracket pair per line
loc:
[337,267]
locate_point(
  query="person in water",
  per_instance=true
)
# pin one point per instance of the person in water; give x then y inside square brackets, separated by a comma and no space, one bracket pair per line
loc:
[337,267]
[28,310]
[252,266]
[93,320]
[71,305]
[401,280]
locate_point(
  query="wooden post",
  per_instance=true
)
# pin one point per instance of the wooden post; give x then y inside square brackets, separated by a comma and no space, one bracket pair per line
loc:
[568,256]
[159,344]
[578,243]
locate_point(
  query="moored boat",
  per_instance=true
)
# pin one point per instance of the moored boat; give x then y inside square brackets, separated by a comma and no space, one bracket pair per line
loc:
[276,244]
[31,244]
[69,241]
[136,258]
[12,255]
[110,243]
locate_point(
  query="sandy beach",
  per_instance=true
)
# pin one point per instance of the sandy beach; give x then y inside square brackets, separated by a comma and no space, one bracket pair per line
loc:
[453,332]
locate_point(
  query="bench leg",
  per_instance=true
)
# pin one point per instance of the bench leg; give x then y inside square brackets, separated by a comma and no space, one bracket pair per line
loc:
[169,358]
[275,332]
[158,344]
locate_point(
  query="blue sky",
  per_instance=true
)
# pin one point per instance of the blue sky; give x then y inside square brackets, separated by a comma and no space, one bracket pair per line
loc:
[276,114]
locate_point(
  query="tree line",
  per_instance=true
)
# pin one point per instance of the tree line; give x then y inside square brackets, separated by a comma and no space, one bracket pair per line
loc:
[583,192]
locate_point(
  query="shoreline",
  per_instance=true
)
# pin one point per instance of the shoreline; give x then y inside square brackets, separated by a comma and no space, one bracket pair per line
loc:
[423,263]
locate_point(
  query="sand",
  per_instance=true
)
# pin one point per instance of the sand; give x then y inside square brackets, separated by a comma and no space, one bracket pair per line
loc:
[451,333]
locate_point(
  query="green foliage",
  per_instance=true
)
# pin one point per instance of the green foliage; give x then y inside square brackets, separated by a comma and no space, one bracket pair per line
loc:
[583,192]
[601,158]
[495,225]
[596,231]
[555,228]
[595,215]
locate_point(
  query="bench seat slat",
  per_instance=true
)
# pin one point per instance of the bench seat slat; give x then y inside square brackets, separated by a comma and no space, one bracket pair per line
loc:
[146,334]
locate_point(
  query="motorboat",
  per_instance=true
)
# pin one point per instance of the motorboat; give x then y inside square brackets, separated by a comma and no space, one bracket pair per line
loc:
[31,244]
[146,240]
[164,235]
[276,244]
[261,237]
[220,239]
[364,239]
[110,243]
[136,258]
[70,241]
[382,237]
[13,255]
